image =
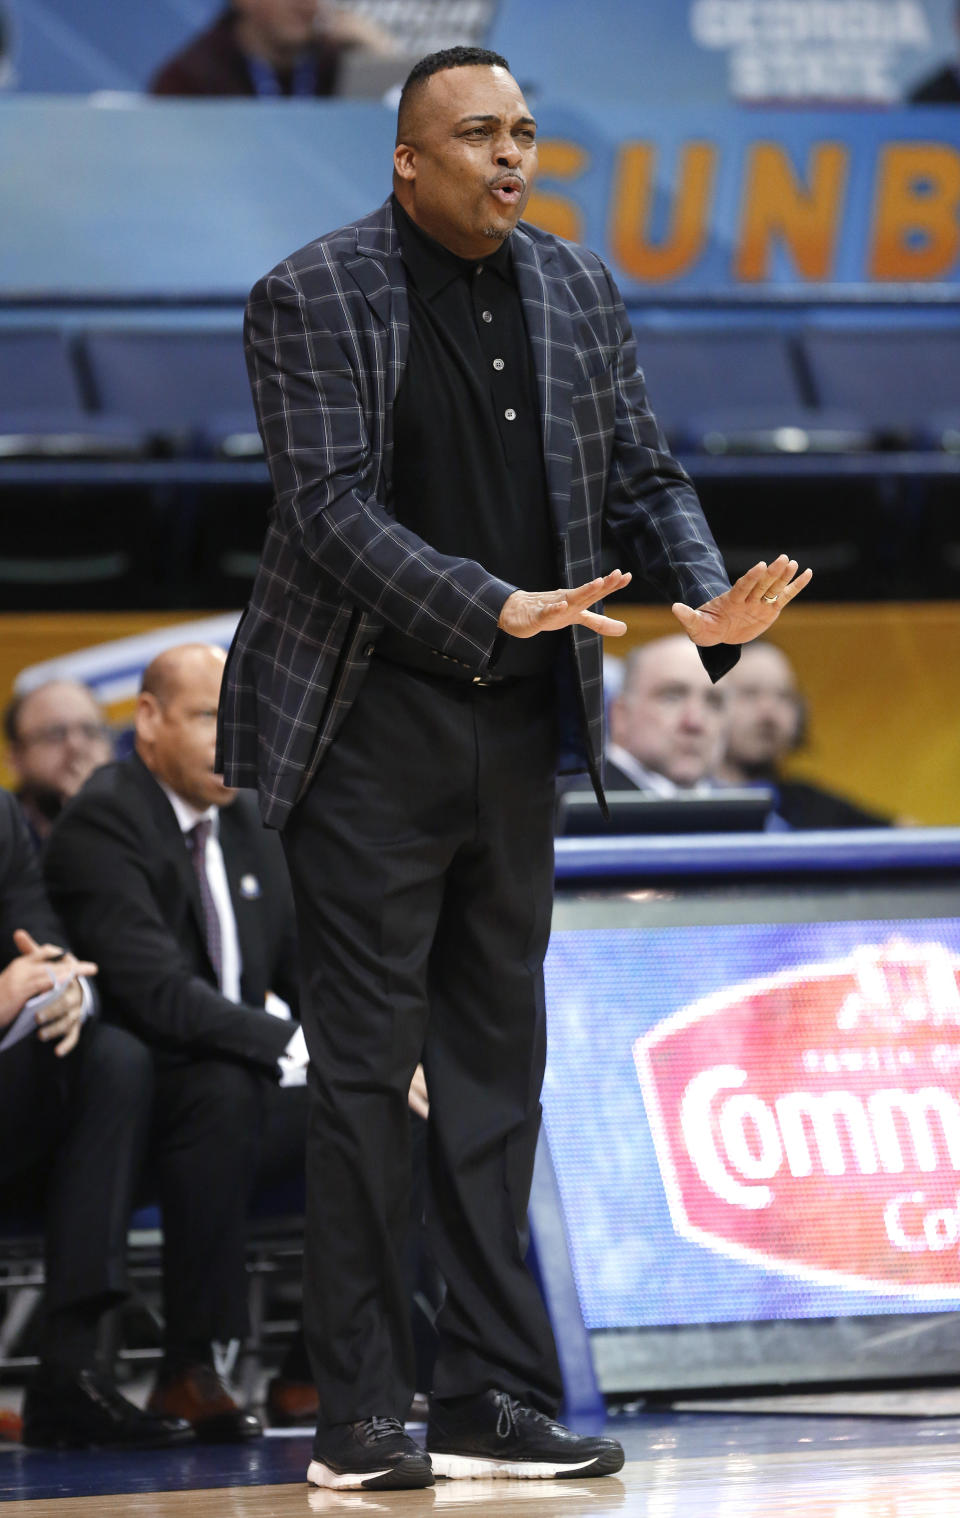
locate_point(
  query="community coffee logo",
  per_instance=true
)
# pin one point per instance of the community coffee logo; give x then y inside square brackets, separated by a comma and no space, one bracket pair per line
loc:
[810,1121]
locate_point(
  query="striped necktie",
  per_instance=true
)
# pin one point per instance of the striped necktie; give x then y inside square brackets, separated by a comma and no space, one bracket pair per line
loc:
[197,845]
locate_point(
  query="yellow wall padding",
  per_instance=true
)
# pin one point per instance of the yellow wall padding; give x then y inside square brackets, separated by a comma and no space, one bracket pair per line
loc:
[882,683]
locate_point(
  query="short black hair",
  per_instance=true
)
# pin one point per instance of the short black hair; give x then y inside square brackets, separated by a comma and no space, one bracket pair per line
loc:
[436,63]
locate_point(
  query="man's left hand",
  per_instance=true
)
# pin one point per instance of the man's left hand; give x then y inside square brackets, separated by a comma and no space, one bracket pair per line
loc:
[748,608]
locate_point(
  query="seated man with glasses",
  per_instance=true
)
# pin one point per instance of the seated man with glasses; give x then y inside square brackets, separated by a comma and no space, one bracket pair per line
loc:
[56,737]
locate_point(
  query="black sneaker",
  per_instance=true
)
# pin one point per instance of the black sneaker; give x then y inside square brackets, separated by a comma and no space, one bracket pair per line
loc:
[495,1435]
[375,1454]
[83,1410]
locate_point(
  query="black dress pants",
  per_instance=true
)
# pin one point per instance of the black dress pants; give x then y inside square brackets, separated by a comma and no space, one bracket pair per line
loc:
[73,1130]
[422,864]
[219,1127]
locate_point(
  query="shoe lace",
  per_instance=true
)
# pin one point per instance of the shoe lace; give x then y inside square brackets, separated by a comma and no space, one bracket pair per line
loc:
[510,1413]
[382,1428]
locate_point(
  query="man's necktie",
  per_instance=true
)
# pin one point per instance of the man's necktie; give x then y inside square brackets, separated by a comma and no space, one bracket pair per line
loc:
[197,844]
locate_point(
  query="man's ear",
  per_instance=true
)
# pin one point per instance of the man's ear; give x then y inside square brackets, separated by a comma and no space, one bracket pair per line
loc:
[12,757]
[146,717]
[615,719]
[801,733]
[405,160]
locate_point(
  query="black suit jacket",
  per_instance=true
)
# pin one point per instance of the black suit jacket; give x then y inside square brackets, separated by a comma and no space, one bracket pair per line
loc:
[118,871]
[23,900]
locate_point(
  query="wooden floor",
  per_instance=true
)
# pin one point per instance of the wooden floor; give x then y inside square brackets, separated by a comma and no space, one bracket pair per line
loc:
[706,1468]
[883,1485]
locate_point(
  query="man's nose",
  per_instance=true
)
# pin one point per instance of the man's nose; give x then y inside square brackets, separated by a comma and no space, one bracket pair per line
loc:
[507,153]
[694,716]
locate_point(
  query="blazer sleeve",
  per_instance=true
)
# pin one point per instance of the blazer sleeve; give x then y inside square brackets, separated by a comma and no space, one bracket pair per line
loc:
[651,505]
[307,391]
[98,869]
[23,900]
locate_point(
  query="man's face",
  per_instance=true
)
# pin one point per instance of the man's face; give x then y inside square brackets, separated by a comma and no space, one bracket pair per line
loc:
[670,717]
[177,737]
[61,739]
[764,708]
[283,23]
[465,175]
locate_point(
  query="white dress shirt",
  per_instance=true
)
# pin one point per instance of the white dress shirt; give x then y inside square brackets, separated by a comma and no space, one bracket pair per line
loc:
[293,1061]
[651,780]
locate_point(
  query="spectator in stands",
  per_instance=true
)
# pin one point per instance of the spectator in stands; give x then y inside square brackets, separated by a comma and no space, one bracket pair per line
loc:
[270,48]
[667,723]
[174,887]
[56,736]
[943,86]
[74,1110]
[766,722]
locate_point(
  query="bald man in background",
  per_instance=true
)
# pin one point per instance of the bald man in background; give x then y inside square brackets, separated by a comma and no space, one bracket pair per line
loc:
[667,723]
[185,895]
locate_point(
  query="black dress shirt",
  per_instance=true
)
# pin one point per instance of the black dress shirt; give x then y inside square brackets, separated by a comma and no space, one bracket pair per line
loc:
[468,473]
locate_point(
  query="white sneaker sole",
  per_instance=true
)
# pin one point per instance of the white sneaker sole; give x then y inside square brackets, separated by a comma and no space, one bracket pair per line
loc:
[470,1468]
[319,1474]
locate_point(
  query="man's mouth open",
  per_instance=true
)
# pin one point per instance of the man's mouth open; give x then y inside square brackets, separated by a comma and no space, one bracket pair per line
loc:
[507,191]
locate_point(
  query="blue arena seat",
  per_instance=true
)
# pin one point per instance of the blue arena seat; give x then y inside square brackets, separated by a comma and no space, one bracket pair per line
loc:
[188,385]
[42,410]
[901,380]
[735,389]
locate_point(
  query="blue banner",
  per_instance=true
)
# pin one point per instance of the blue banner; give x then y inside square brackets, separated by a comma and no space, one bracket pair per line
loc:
[201,198]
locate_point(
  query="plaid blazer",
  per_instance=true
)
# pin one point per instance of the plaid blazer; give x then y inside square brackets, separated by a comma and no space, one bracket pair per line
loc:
[326,337]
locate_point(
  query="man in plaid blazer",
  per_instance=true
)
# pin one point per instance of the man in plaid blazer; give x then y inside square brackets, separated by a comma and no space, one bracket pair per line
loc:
[373,697]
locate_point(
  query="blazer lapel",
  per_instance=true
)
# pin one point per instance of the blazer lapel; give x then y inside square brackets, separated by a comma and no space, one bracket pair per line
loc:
[377,269]
[174,843]
[550,328]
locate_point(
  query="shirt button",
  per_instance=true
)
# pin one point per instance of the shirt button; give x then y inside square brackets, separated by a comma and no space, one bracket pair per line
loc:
[498,363]
[487,316]
[510,414]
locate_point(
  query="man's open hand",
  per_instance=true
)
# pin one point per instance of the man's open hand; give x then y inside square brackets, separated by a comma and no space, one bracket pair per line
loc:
[528,612]
[748,608]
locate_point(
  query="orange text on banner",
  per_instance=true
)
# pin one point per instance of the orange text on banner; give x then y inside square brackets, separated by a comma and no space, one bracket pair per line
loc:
[558,159]
[916,232]
[806,218]
[688,221]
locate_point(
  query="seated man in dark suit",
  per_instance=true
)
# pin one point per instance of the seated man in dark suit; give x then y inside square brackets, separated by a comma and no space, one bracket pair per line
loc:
[767,718]
[74,1110]
[171,883]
